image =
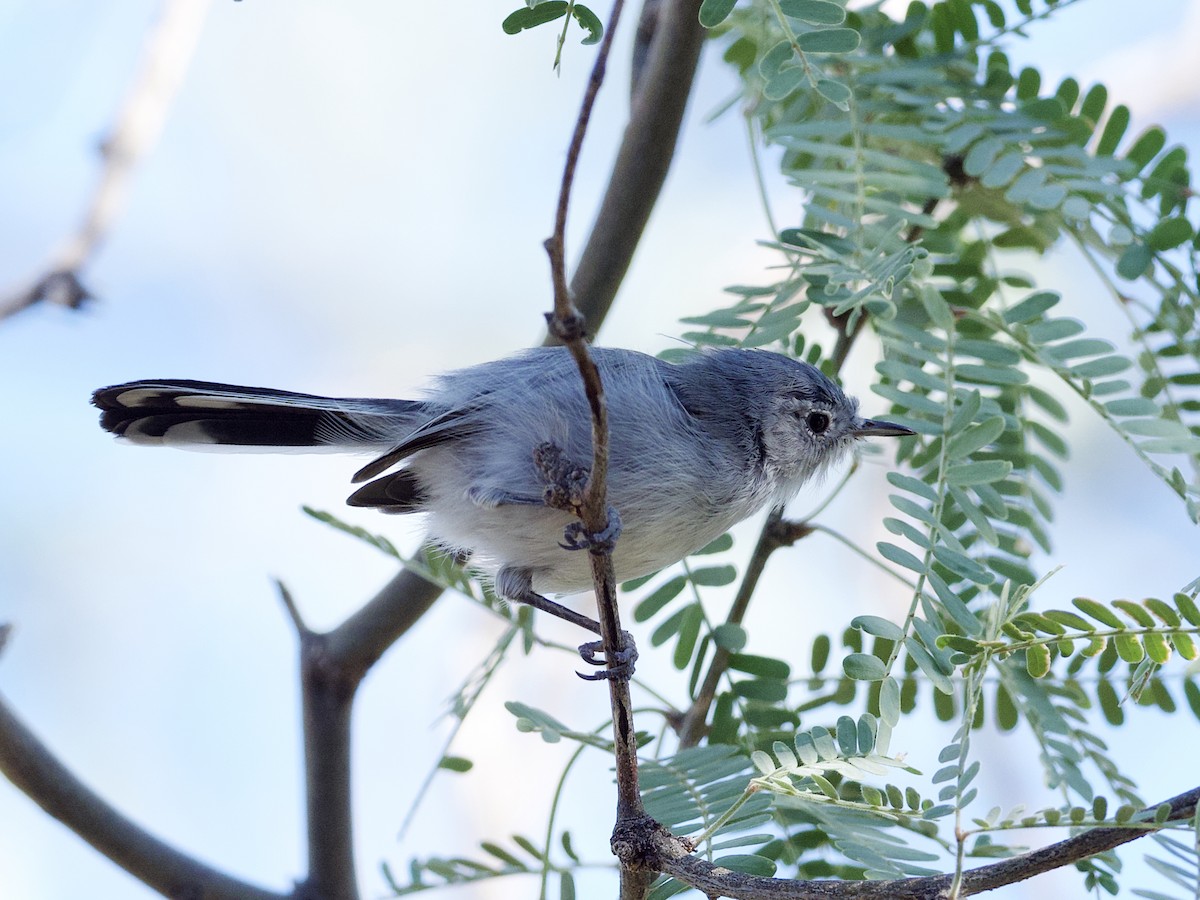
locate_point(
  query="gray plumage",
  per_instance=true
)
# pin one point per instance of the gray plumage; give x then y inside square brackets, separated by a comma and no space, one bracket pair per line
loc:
[695,447]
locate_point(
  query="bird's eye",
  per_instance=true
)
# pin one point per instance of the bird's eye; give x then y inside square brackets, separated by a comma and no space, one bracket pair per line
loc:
[817,422]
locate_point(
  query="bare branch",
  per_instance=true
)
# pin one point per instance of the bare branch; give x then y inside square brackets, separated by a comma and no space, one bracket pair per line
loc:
[358,643]
[165,58]
[33,769]
[328,699]
[293,611]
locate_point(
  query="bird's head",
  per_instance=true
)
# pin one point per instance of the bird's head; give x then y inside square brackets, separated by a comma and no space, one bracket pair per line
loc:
[810,424]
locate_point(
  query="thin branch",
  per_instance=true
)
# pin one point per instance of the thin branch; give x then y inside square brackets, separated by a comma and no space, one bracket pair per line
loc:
[776,533]
[168,51]
[643,159]
[293,611]
[567,325]
[33,769]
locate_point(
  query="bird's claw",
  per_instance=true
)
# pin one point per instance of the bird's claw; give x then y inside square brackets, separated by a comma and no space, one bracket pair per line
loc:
[577,537]
[619,668]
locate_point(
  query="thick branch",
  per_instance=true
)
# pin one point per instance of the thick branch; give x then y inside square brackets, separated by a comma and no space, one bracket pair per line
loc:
[33,769]
[327,697]
[659,851]
[358,643]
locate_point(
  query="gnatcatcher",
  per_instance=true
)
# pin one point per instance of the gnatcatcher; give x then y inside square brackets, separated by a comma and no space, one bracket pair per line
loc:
[695,447]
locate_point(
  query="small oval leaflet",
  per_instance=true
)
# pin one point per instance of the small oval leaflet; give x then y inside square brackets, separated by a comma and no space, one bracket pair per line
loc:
[729,636]
[530,17]
[784,82]
[877,626]
[815,12]
[1031,308]
[455,763]
[864,667]
[829,40]
[835,92]
[714,12]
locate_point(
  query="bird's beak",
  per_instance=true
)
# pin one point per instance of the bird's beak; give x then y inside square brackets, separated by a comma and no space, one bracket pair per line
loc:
[877,428]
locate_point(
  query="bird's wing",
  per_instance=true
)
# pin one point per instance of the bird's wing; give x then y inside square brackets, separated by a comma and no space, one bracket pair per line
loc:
[451,425]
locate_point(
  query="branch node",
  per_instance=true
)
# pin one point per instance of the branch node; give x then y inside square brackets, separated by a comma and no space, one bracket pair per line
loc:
[784,532]
[642,843]
[567,328]
[293,611]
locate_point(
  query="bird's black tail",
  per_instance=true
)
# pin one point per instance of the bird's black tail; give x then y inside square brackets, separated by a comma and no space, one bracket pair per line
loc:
[198,413]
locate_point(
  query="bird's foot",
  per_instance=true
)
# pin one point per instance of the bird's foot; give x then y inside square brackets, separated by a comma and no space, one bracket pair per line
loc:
[619,667]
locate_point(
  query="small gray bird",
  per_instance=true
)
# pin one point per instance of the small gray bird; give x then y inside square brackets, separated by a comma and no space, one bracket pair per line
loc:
[695,448]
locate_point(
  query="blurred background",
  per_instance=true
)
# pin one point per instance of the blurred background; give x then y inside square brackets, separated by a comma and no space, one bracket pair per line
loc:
[345,199]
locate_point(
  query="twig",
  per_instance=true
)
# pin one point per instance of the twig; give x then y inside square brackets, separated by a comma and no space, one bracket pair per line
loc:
[33,769]
[293,611]
[566,324]
[776,533]
[643,159]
